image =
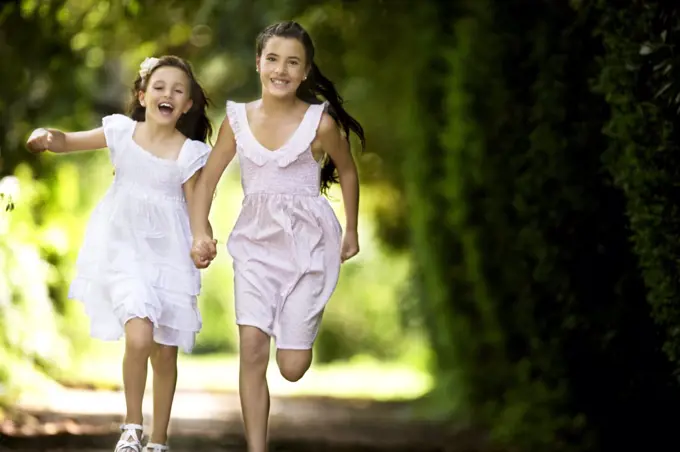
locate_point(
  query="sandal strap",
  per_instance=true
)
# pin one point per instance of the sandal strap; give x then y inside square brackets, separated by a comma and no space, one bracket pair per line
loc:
[128,446]
[155,447]
[129,442]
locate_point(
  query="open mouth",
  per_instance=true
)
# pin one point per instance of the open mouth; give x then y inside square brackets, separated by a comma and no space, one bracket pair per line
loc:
[166,108]
[279,83]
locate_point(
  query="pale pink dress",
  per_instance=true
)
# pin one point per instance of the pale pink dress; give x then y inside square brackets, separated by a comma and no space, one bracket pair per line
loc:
[134,261]
[286,241]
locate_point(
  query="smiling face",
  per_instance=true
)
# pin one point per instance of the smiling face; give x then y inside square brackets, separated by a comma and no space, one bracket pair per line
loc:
[282,66]
[167,95]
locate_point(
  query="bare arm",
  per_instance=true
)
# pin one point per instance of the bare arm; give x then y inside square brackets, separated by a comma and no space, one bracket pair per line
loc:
[189,188]
[337,148]
[221,155]
[64,142]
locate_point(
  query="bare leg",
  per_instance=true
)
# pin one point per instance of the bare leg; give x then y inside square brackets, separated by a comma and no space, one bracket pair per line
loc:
[164,364]
[293,364]
[138,345]
[253,389]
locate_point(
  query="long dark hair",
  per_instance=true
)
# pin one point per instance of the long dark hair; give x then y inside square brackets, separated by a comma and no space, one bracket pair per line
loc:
[193,124]
[315,85]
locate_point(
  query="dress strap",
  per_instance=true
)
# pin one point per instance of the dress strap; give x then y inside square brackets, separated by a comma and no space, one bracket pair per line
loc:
[245,143]
[235,115]
[315,114]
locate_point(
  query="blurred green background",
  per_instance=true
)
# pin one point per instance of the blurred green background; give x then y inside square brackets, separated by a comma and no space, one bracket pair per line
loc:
[85,55]
[520,235]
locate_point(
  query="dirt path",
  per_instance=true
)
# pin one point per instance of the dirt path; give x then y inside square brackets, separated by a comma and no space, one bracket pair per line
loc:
[86,421]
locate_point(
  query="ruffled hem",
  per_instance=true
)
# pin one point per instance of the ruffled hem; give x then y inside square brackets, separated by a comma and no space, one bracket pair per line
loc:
[291,151]
[184,281]
[111,304]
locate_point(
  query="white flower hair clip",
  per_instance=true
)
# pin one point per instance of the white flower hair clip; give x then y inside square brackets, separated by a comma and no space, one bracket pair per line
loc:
[147,66]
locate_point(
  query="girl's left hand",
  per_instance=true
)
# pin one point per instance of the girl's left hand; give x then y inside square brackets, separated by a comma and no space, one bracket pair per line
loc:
[203,251]
[350,245]
[39,141]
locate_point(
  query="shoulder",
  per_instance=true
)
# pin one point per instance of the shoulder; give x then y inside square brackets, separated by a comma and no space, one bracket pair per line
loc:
[228,128]
[197,147]
[328,128]
[117,121]
[236,121]
[116,128]
[194,154]
[233,104]
[193,157]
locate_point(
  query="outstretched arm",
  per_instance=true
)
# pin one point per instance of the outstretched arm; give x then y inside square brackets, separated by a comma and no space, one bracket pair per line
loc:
[221,155]
[64,142]
[337,148]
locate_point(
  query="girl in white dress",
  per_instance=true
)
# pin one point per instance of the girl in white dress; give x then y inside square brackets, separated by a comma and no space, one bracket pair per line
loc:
[134,273]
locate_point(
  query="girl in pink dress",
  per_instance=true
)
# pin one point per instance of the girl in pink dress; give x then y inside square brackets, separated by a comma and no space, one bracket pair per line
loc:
[134,274]
[287,243]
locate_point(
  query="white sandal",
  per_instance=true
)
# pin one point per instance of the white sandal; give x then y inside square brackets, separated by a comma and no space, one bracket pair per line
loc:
[153,447]
[129,442]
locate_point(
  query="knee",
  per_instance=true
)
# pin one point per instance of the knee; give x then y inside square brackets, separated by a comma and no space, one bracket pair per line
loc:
[292,372]
[164,359]
[254,351]
[139,346]
[139,338]
[294,364]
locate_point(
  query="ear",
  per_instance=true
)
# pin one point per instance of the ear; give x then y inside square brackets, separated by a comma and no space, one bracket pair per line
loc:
[140,97]
[189,105]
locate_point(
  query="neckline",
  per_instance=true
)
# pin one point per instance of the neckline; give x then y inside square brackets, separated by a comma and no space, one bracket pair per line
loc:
[285,143]
[151,154]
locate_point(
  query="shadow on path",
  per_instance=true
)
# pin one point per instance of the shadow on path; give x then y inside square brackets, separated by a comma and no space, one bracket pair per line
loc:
[87,421]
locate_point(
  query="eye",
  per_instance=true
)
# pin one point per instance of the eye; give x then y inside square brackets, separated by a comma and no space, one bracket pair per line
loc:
[179,91]
[294,63]
[271,58]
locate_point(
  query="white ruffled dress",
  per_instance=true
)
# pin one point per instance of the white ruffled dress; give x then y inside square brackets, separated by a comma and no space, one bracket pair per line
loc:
[134,261]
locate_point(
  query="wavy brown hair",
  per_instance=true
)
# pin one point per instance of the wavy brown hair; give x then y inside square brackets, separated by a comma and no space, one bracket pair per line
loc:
[193,124]
[315,85]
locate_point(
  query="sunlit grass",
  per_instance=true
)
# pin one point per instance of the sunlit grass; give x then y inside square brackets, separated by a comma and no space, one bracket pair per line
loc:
[361,377]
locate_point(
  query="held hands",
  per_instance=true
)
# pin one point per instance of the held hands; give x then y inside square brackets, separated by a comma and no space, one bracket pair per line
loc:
[203,251]
[350,246]
[40,140]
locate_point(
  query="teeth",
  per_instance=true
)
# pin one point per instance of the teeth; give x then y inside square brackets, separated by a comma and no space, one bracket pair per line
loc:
[279,82]
[165,104]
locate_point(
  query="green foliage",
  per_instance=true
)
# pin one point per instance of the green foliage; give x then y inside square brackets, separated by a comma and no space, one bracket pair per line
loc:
[528,277]
[639,79]
[31,336]
[363,316]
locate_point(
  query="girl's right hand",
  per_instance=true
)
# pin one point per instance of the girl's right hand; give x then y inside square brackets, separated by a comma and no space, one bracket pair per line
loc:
[203,251]
[40,141]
